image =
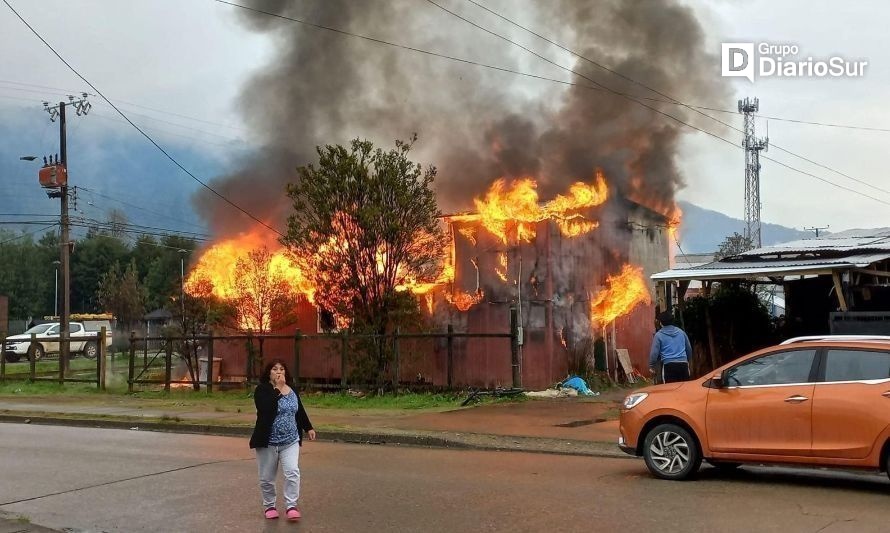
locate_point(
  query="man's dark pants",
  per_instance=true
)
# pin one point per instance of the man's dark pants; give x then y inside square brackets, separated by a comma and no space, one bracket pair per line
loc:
[672,372]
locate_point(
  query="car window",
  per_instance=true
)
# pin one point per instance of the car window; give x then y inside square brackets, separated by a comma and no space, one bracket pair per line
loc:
[74,328]
[856,365]
[38,329]
[780,368]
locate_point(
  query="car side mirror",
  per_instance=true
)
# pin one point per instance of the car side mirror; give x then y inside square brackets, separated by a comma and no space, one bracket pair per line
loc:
[718,381]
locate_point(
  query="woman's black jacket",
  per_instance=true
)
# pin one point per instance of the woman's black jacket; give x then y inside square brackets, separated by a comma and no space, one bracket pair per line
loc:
[265,397]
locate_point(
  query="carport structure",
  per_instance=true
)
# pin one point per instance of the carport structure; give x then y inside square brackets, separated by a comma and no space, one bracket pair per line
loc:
[839,283]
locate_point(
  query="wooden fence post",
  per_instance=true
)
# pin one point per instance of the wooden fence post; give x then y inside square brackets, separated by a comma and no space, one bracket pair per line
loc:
[131,372]
[514,348]
[296,370]
[249,370]
[33,359]
[395,349]
[103,353]
[168,362]
[3,355]
[210,363]
[343,344]
[449,343]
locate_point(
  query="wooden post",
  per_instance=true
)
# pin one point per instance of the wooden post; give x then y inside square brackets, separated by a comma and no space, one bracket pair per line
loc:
[395,349]
[296,370]
[168,362]
[131,372]
[839,290]
[3,355]
[712,344]
[343,344]
[449,343]
[249,370]
[514,348]
[33,362]
[210,363]
[261,340]
[100,368]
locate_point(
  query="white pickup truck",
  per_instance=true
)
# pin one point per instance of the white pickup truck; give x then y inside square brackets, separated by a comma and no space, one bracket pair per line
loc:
[47,341]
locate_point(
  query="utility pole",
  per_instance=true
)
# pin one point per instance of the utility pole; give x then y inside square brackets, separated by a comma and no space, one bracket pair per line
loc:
[752,146]
[814,228]
[82,107]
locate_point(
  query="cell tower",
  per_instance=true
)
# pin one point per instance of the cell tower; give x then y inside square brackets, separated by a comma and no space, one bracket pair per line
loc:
[752,146]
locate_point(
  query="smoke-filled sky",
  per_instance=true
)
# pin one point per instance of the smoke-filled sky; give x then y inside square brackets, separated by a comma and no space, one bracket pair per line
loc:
[256,94]
[474,125]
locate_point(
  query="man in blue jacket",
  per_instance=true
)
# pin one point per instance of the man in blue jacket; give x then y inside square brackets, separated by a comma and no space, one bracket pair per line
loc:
[671,348]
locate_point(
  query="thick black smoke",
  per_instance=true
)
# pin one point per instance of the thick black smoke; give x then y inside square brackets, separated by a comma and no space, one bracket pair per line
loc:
[474,124]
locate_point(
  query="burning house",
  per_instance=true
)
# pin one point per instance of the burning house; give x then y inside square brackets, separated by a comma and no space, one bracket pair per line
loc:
[576,269]
[571,247]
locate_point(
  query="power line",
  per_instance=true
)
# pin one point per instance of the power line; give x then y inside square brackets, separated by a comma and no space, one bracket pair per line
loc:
[673,100]
[796,121]
[64,92]
[148,137]
[123,226]
[91,191]
[23,235]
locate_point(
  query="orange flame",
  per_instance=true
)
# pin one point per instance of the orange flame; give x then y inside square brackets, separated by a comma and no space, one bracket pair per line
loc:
[624,292]
[501,269]
[218,262]
[217,265]
[510,213]
[464,300]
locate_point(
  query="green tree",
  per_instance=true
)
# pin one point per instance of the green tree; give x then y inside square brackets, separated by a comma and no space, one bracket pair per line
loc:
[163,267]
[27,274]
[733,245]
[122,294]
[90,260]
[365,221]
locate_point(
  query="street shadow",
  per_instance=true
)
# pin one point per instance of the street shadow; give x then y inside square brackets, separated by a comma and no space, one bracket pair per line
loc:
[865,481]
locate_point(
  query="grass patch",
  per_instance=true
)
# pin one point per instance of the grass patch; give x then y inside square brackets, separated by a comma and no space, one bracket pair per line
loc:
[344,400]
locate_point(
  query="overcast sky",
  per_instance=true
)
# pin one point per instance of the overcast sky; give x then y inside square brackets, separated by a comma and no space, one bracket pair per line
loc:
[177,67]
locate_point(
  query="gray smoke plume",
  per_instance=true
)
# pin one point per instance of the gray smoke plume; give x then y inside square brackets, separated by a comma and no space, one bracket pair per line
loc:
[474,124]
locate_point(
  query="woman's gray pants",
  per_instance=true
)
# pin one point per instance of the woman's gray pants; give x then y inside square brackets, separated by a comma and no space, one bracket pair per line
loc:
[267,461]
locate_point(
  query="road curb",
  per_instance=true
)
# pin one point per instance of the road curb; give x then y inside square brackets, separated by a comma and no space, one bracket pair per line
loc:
[446,440]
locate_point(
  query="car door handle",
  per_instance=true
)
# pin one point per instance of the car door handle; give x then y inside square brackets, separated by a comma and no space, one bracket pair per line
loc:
[796,399]
[886,394]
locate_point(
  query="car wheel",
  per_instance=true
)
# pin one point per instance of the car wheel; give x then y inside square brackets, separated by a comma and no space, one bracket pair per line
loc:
[671,452]
[36,352]
[12,357]
[90,350]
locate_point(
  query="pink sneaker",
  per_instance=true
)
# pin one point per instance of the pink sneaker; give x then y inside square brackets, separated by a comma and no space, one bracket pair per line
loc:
[271,513]
[293,514]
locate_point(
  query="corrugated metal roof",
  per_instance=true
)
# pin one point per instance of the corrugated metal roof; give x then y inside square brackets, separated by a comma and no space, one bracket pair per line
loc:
[862,243]
[739,268]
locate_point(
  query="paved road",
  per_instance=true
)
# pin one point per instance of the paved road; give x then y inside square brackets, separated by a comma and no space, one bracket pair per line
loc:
[118,480]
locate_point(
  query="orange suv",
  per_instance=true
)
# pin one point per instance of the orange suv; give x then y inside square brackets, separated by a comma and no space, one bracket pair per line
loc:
[816,401]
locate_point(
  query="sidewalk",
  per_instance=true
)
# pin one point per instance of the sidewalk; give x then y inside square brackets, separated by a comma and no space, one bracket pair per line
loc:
[585,426]
[574,425]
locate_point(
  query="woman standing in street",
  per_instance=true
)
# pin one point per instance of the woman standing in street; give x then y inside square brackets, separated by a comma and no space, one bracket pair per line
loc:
[278,435]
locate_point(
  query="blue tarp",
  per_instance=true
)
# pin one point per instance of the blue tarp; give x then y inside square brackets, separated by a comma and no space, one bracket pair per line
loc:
[575,382]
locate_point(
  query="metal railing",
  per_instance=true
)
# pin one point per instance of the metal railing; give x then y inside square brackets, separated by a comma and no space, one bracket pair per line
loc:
[156,367]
